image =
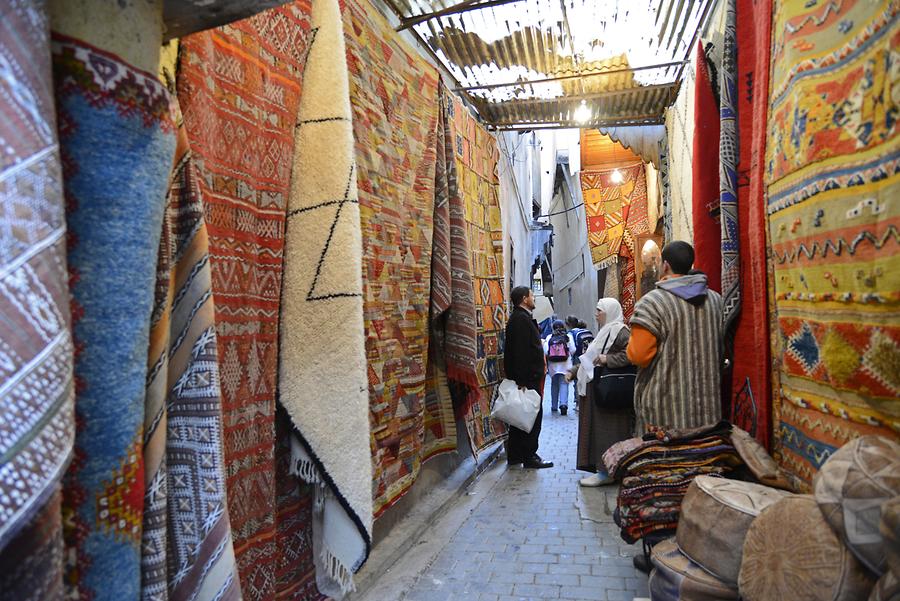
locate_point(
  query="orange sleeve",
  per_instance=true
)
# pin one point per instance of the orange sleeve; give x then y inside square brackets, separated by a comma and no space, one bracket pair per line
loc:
[641,346]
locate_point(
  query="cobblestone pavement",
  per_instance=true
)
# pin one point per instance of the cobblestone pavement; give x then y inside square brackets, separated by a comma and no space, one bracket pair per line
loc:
[528,538]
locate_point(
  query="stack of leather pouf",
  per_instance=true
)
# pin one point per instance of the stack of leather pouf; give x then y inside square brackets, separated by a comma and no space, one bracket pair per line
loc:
[703,561]
[657,472]
[831,546]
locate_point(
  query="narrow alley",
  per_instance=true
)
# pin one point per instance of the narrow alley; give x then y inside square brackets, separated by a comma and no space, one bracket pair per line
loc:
[281,283]
[528,535]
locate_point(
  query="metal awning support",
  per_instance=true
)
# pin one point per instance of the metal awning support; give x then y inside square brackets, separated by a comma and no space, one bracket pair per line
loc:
[465,6]
[597,124]
[511,84]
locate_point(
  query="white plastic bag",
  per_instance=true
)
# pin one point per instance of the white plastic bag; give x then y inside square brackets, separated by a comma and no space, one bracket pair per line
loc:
[516,407]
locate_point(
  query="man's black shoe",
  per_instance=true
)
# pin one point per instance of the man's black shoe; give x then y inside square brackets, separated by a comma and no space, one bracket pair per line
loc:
[563,410]
[512,462]
[642,563]
[536,463]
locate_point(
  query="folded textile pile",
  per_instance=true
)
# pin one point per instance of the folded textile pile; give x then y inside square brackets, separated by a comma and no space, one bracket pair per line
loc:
[657,472]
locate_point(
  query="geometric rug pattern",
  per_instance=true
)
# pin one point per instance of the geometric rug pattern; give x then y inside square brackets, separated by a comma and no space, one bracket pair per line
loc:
[394,97]
[477,155]
[832,173]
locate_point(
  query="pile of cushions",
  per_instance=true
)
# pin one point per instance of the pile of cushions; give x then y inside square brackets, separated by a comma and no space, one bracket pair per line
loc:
[835,544]
[759,543]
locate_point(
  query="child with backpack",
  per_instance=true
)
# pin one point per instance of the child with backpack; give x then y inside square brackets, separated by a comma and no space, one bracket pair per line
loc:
[559,348]
[582,337]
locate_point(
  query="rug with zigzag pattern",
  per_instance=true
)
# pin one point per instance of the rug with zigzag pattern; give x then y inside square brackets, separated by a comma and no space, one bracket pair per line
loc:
[832,168]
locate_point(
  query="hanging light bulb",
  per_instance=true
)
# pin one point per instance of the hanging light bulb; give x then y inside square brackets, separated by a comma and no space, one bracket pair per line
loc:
[582,113]
[616,177]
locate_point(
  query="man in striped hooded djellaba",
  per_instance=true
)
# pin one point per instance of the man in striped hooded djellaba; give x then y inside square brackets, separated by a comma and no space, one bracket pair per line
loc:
[676,342]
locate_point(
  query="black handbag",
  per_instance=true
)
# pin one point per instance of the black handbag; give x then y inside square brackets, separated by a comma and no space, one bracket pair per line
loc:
[614,386]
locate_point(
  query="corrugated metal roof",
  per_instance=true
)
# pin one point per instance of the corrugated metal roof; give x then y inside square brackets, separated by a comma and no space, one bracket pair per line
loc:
[532,62]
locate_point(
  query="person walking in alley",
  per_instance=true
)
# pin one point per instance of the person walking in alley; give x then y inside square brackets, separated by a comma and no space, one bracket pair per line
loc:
[523,361]
[676,342]
[601,425]
[559,347]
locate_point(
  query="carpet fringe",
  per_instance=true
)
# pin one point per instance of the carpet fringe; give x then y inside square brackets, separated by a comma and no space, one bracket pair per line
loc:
[337,571]
[606,263]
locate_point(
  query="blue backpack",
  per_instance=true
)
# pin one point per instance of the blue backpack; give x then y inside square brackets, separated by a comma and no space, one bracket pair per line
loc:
[583,339]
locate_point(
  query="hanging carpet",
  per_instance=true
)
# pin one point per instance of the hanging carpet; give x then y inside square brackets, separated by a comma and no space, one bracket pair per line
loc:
[705,187]
[37,399]
[115,194]
[730,268]
[239,87]
[833,174]
[394,95]
[476,166]
[185,522]
[606,204]
[750,368]
[322,292]
[31,565]
[680,137]
[454,331]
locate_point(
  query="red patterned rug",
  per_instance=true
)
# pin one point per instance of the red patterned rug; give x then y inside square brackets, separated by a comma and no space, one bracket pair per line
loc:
[751,342]
[705,200]
[239,87]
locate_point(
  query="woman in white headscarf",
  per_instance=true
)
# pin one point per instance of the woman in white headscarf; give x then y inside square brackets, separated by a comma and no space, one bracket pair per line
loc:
[599,429]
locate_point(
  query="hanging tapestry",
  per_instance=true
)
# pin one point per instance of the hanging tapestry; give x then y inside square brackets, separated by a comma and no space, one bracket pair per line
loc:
[606,203]
[394,94]
[750,367]
[322,291]
[477,155]
[440,423]
[636,222]
[628,293]
[453,325]
[185,522]
[833,171]
[37,402]
[680,129]
[452,304]
[115,194]
[239,88]
[707,230]
[730,268]
[31,565]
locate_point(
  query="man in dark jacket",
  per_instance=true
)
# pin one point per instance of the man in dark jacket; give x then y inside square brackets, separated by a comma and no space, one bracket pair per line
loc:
[524,364]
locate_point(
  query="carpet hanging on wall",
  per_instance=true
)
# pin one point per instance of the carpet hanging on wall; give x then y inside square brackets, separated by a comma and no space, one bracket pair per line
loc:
[322,290]
[707,230]
[185,520]
[476,166]
[115,193]
[750,368]
[394,95]
[606,203]
[37,403]
[452,342]
[615,202]
[833,173]
[680,138]
[730,268]
[239,87]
